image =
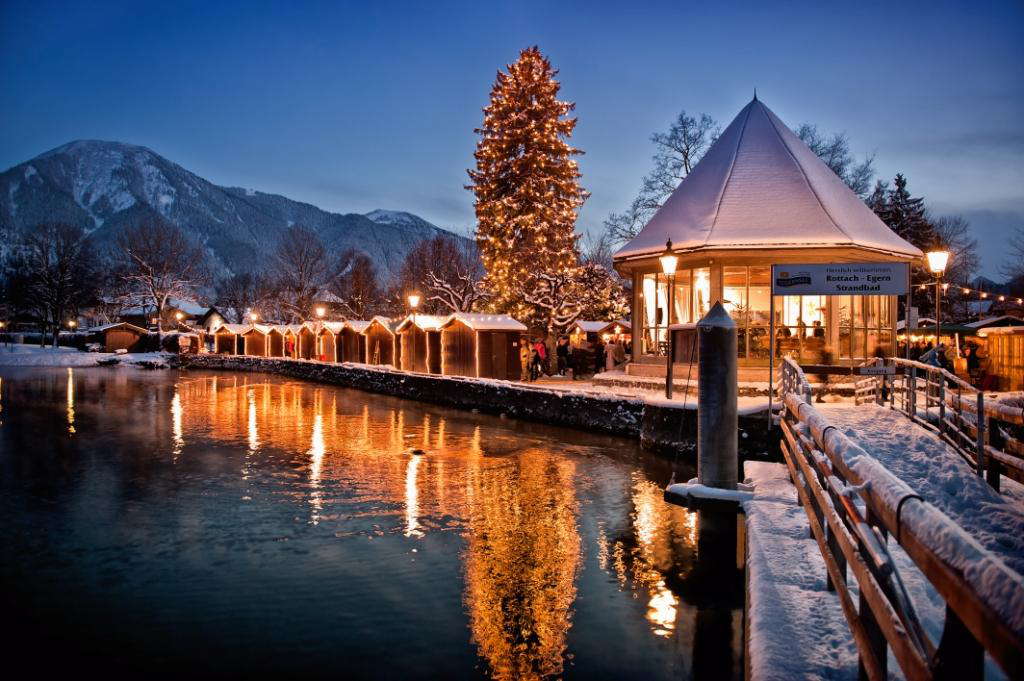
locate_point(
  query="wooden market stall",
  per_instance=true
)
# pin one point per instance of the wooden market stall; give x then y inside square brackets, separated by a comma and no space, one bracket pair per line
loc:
[481,345]
[353,342]
[1005,350]
[329,341]
[760,197]
[305,345]
[255,338]
[381,346]
[290,332]
[227,339]
[590,331]
[419,338]
[275,341]
[119,336]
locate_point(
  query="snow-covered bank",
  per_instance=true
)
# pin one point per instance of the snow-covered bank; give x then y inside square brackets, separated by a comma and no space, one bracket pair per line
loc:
[795,626]
[17,355]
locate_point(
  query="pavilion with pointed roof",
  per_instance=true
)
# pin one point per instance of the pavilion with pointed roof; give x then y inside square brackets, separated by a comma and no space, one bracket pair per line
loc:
[759,197]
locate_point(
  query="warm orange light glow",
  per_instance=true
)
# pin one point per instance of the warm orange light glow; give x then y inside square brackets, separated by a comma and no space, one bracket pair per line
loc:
[937,261]
[72,324]
[253,316]
[321,311]
[668,259]
[179,315]
[414,300]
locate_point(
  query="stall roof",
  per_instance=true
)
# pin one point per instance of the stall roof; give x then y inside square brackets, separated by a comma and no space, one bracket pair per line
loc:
[600,327]
[334,327]
[383,321]
[486,322]
[357,325]
[759,186]
[115,325]
[427,322]
[260,328]
[1002,320]
[236,329]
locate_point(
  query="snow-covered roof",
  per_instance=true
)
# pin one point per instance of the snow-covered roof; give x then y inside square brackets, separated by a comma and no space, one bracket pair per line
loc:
[327,297]
[334,327]
[486,322]
[357,325]
[598,327]
[984,333]
[427,322]
[189,307]
[383,321]
[259,328]
[922,323]
[760,186]
[233,328]
[290,328]
[1002,320]
[115,325]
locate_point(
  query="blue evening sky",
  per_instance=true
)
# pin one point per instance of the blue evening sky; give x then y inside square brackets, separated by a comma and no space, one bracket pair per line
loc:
[356,106]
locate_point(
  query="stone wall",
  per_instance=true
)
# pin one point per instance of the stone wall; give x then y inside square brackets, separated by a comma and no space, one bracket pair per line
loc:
[662,428]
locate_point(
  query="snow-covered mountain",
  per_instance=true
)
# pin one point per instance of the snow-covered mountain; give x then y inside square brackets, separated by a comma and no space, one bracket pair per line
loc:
[104,186]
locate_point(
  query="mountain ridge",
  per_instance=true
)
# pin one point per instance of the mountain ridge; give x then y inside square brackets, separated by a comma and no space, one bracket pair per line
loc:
[104,186]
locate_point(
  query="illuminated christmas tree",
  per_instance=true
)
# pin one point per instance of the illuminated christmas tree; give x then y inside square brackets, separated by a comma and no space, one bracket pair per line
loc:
[526,184]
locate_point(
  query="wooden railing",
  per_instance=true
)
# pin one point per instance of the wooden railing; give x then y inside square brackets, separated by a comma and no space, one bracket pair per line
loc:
[950,407]
[984,598]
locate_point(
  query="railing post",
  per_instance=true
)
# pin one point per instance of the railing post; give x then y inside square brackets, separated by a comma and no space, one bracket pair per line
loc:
[912,395]
[959,656]
[942,404]
[980,458]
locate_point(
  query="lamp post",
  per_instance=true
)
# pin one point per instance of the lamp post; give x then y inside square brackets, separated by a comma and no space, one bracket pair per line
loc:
[414,302]
[72,324]
[321,311]
[253,317]
[937,261]
[668,267]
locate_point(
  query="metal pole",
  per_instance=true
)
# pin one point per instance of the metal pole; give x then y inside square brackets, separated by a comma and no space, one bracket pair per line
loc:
[717,426]
[938,292]
[771,349]
[671,345]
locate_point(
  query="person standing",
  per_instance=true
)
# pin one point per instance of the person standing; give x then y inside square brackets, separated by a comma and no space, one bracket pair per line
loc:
[599,356]
[562,353]
[524,358]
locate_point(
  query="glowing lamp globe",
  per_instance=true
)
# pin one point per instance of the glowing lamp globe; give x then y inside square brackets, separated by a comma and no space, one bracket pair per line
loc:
[414,300]
[321,311]
[253,316]
[937,261]
[179,315]
[668,259]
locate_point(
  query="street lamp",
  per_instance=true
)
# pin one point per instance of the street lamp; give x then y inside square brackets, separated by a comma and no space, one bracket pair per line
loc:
[321,311]
[669,260]
[179,315]
[414,302]
[253,317]
[72,324]
[937,261]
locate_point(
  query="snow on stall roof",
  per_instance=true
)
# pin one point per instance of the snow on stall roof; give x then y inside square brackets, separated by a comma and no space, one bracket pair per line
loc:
[114,325]
[259,328]
[486,322]
[383,321]
[334,327]
[427,322]
[357,325]
[233,328]
[1009,320]
[760,186]
[595,327]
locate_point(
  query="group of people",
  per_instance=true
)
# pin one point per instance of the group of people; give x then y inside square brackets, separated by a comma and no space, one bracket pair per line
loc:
[573,361]
[945,357]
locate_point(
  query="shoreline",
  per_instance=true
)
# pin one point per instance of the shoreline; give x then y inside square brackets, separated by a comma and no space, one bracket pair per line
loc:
[659,425]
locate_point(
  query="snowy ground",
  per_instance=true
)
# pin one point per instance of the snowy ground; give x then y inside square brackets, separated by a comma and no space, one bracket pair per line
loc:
[795,627]
[935,471]
[17,355]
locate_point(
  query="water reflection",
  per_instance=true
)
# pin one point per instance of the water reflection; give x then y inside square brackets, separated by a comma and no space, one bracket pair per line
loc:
[71,400]
[523,508]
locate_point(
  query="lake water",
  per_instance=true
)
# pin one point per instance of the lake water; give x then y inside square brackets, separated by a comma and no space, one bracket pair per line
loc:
[164,522]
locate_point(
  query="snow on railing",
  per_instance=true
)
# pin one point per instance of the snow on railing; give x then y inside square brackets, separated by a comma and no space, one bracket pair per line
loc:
[984,597]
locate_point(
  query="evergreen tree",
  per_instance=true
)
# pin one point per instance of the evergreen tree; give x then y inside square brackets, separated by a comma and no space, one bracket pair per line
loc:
[906,215]
[526,183]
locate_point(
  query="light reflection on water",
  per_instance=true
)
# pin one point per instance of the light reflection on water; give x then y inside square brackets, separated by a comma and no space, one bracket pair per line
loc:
[537,552]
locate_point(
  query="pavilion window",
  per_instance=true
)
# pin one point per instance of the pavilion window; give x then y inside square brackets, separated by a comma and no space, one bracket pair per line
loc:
[802,327]
[654,304]
[864,326]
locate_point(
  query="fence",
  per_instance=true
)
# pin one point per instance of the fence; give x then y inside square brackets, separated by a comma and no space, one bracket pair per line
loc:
[984,600]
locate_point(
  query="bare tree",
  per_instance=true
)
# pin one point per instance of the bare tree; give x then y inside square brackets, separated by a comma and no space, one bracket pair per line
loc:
[303,271]
[246,292]
[587,291]
[676,152]
[1013,266]
[835,151]
[953,233]
[161,263]
[448,273]
[56,274]
[355,284]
